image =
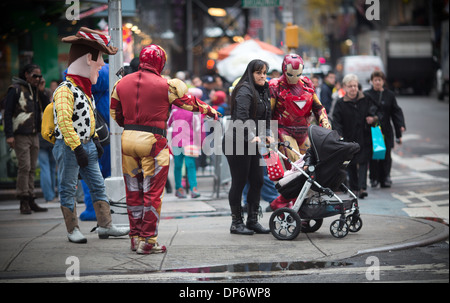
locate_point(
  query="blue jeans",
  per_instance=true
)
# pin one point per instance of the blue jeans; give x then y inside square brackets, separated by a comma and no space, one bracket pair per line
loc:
[68,170]
[47,164]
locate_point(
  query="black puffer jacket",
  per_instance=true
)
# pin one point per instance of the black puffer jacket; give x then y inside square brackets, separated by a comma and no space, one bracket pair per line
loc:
[244,111]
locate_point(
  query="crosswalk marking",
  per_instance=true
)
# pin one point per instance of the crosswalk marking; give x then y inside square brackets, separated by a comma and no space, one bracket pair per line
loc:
[430,162]
[422,203]
[426,207]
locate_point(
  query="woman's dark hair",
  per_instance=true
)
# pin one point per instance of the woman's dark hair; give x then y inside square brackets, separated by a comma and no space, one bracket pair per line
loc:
[378,73]
[253,66]
[28,69]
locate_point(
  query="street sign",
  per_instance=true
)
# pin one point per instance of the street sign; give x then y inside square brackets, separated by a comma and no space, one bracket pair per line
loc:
[259,3]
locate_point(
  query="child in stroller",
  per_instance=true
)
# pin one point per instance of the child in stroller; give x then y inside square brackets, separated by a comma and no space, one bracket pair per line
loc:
[314,189]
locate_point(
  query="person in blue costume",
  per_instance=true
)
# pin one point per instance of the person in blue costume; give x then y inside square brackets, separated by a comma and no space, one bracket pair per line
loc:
[101,95]
[100,91]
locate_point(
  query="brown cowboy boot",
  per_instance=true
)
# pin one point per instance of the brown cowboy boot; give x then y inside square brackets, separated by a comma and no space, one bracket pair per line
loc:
[70,218]
[105,226]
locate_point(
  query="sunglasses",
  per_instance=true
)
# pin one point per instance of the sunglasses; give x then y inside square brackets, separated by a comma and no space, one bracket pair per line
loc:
[36,76]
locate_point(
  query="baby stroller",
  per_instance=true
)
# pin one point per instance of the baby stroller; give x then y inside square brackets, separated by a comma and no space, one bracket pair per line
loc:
[315,189]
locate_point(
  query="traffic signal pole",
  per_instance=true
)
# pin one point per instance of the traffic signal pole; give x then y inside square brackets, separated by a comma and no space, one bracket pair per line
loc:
[291,36]
[115,187]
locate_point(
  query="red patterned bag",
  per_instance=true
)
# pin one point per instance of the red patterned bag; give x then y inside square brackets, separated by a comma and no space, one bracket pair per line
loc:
[275,169]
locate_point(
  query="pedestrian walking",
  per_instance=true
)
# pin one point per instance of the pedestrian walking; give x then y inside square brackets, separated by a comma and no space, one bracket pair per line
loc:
[353,115]
[250,104]
[380,170]
[77,146]
[145,152]
[24,106]
[326,90]
[47,163]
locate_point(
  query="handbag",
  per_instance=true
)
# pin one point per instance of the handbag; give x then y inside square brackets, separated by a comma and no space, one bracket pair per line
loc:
[378,145]
[275,169]
[101,128]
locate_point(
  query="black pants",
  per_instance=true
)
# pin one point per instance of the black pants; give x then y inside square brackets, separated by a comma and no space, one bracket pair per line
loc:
[357,176]
[245,168]
[380,170]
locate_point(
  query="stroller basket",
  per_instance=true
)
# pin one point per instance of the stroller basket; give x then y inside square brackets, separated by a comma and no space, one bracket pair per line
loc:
[312,211]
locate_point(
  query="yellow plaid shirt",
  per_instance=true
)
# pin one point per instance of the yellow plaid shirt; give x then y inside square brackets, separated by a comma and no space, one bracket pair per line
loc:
[64,107]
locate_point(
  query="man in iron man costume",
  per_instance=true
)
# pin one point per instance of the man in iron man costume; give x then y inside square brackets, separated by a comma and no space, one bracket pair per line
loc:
[293,102]
[140,103]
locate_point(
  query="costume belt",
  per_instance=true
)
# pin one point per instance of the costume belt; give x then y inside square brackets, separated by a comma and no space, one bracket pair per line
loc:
[146,128]
[297,130]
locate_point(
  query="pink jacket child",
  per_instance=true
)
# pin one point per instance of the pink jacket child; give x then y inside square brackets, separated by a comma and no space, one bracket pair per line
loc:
[186,143]
[186,126]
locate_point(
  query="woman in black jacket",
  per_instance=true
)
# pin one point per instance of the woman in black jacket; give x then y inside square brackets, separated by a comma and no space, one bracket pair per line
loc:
[380,170]
[250,125]
[352,117]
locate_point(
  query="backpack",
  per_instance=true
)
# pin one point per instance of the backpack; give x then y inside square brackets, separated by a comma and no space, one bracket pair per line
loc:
[48,124]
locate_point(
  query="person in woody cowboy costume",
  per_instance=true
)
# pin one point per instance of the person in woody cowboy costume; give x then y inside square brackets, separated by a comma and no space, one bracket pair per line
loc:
[293,102]
[77,147]
[145,152]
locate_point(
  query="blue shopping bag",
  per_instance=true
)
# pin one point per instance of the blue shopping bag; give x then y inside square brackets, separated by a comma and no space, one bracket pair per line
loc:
[378,145]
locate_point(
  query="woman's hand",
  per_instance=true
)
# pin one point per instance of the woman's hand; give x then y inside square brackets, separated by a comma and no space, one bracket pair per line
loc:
[11,142]
[256,140]
[370,120]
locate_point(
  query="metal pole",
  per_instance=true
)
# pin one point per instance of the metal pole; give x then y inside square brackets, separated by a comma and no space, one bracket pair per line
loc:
[189,28]
[114,185]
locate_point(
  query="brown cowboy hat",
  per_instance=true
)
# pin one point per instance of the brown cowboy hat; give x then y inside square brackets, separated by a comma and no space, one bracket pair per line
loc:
[94,39]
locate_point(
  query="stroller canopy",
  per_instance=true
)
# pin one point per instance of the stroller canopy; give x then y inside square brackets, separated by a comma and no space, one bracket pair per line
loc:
[332,155]
[327,145]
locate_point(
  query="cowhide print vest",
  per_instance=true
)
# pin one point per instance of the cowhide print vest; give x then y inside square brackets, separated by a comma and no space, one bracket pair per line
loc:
[81,118]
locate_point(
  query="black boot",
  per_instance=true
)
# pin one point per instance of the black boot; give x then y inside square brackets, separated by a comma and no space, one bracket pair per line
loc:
[24,205]
[34,206]
[237,225]
[252,220]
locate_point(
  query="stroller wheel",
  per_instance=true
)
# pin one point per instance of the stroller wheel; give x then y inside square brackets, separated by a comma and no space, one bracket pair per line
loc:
[310,226]
[339,228]
[354,223]
[285,224]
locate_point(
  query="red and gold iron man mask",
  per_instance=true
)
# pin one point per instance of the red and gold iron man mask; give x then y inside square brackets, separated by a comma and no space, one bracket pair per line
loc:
[292,68]
[153,57]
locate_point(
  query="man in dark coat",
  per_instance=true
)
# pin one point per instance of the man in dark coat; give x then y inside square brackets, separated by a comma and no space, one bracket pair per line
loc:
[389,110]
[326,91]
[23,108]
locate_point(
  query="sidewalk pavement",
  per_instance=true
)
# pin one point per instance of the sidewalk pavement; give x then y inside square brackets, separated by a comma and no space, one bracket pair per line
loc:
[34,248]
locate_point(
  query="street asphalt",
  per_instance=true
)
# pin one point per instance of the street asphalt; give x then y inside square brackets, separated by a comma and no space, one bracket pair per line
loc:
[34,248]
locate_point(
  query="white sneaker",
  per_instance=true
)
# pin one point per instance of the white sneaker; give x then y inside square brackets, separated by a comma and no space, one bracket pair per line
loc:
[76,236]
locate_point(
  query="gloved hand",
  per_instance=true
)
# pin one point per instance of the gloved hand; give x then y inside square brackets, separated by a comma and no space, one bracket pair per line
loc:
[81,155]
[99,147]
